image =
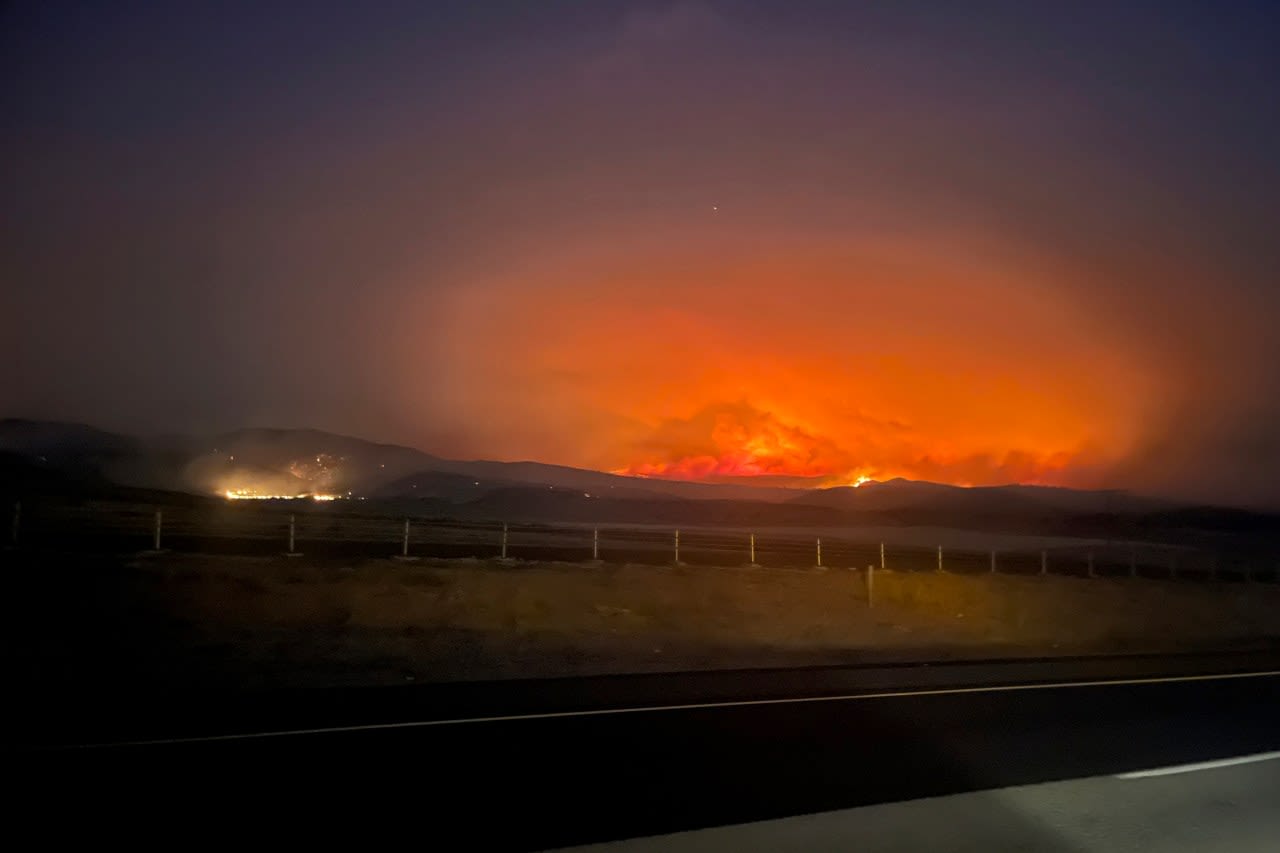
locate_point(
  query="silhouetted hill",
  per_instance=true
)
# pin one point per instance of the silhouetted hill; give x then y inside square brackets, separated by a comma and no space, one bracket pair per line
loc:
[55,438]
[294,461]
[525,503]
[454,488]
[1011,500]
[26,475]
[44,457]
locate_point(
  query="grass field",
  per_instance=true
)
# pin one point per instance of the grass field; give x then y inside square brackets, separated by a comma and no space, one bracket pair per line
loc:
[191,620]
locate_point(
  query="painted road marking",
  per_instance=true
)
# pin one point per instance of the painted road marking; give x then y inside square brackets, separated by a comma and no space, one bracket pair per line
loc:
[1200,765]
[643,709]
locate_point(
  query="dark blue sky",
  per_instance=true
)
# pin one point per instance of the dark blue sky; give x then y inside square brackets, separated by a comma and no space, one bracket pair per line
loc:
[322,214]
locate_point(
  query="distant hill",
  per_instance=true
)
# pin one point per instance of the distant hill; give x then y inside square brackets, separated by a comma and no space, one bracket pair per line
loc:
[293,461]
[71,453]
[899,494]
[43,457]
[22,474]
[490,474]
[548,503]
[59,442]
[393,471]
[421,485]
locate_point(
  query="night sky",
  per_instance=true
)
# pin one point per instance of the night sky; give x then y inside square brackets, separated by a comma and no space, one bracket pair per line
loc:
[966,242]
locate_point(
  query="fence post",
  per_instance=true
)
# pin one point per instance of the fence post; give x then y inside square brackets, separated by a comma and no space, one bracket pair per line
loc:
[1091,572]
[881,555]
[403,556]
[17,520]
[504,541]
[1044,562]
[751,547]
[595,544]
[819,552]
[993,561]
[871,586]
[155,541]
[293,519]
[677,560]
[939,558]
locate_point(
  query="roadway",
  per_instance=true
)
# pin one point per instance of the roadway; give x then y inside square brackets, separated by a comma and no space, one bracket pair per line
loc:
[531,765]
[1223,805]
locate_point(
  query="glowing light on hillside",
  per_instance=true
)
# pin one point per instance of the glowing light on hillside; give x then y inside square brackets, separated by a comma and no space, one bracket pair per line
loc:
[252,495]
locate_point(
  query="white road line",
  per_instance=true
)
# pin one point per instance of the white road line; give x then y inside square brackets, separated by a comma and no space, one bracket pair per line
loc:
[743,703]
[1201,765]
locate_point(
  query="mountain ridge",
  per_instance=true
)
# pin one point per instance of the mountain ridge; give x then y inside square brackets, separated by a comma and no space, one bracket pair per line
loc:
[289,462]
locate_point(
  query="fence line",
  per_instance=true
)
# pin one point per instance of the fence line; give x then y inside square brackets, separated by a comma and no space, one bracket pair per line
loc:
[106,525]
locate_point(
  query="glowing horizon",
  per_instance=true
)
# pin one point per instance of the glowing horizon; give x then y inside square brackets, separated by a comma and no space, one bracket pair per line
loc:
[970,372]
[677,238]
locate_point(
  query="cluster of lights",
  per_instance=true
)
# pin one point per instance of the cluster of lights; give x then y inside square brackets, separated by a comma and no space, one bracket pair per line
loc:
[250,495]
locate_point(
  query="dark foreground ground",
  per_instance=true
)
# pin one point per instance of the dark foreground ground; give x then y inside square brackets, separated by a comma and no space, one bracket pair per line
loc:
[533,705]
[227,694]
[535,764]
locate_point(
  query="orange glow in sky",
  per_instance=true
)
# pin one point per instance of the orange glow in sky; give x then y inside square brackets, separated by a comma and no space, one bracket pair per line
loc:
[764,242]
[819,362]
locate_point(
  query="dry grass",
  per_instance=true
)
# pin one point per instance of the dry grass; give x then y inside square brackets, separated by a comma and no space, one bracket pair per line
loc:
[379,621]
[1091,613]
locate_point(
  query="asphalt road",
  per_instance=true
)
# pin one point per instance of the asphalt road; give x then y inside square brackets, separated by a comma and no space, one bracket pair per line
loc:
[530,765]
[1185,809]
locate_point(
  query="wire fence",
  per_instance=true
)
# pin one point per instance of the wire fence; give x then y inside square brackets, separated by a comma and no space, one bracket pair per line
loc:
[252,529]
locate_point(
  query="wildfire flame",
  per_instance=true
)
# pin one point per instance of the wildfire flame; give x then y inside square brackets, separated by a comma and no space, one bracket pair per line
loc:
[253,495]
[739,441]
[315,478]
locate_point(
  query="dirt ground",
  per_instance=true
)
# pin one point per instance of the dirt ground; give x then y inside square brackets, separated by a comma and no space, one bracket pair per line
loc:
[185,620]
